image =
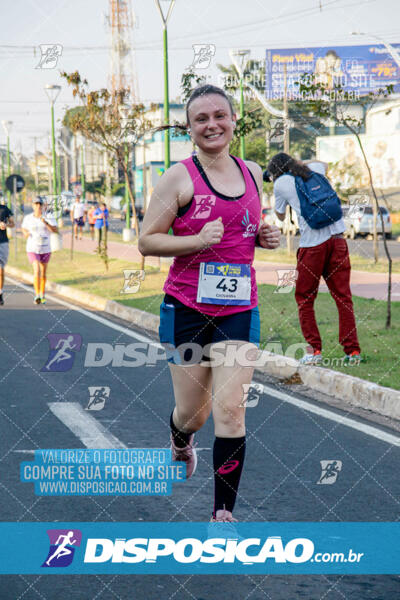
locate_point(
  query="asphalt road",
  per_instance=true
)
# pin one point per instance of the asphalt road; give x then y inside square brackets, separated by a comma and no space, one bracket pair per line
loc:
[279,483]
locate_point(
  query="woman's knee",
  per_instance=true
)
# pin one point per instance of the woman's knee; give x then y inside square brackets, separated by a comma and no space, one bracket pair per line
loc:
[192,420]
[229,418]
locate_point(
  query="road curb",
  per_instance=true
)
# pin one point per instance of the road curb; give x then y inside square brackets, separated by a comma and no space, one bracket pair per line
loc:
[127,313]
[352,390]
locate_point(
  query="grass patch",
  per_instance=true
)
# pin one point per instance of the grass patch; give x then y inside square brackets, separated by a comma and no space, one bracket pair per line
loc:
[395,229]
[380,347]
[279,320]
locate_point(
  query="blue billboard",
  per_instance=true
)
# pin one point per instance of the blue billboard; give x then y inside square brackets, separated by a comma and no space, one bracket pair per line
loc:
[358,69]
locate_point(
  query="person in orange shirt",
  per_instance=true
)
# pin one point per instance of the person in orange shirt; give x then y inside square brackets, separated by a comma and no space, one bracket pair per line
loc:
[92,219]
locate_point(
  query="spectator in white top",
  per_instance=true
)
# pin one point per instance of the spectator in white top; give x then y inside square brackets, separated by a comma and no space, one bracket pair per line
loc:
[78,215]
[322,253]
[37,229]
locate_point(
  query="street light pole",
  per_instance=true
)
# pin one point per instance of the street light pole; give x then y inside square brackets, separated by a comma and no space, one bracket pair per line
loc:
[58,175]
[165,19]
[53,151]
[52,92]
[239,59]
[7,128]
[392,51]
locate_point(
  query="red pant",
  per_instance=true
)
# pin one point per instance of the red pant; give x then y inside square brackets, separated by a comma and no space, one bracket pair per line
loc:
[331,261]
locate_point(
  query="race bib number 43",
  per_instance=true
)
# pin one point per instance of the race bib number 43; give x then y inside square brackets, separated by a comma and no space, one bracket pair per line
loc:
[224,283]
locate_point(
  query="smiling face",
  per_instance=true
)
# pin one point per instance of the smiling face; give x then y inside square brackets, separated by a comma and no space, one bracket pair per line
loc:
[211,122]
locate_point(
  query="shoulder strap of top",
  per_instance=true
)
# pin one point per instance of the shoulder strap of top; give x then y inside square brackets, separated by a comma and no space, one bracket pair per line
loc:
[247,174]
[191,167]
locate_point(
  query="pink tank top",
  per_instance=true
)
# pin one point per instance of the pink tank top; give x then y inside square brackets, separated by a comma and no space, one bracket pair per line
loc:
[241,219]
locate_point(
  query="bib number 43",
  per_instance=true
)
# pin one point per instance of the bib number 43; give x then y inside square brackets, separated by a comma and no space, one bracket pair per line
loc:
[221,285]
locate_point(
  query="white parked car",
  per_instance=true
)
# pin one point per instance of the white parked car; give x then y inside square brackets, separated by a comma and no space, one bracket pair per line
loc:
[268,216]
[360,221]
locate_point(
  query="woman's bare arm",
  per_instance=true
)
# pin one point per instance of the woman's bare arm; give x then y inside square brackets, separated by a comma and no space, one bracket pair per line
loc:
[154,239]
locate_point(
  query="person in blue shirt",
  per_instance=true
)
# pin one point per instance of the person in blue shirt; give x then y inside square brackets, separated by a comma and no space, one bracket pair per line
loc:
[101,215]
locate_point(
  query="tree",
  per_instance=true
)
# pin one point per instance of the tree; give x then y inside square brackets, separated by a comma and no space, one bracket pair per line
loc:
[107,119]
[334,104]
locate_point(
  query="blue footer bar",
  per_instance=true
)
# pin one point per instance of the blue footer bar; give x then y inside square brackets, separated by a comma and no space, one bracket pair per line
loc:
[200,548]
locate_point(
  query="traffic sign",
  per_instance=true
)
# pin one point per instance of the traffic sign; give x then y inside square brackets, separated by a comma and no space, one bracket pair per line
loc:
[19,183]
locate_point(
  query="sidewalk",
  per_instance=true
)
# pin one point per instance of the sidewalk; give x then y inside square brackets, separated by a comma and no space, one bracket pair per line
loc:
[364,284]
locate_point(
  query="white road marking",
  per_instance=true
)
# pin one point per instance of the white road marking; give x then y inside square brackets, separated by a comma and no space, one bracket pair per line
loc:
[332,416]
[322,412]
[86,428]
[86,313]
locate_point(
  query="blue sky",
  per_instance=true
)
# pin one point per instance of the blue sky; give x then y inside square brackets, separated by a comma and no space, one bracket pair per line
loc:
[79,26]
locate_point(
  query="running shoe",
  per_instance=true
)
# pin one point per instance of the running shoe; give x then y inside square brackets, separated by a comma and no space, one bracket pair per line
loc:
[222,526]
[223,516]
[1,300]
[311,358]
[352,359]
[36,300]
[186,454]
[42,300]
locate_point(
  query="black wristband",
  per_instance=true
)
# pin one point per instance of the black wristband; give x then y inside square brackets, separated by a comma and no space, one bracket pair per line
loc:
[257,241]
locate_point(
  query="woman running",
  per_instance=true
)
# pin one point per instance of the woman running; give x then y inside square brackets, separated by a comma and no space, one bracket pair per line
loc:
[212,202]
[37,229]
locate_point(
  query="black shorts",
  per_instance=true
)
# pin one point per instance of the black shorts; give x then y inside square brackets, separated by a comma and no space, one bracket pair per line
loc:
[80,222]
[183,327]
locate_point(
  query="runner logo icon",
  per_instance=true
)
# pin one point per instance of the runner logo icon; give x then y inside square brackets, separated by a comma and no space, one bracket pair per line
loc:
[203,54]
[251,394]
[98,397]
[330,471]
[62,547]
[203,207]
[50,54]
[62,351]
[133,279]
[286,280]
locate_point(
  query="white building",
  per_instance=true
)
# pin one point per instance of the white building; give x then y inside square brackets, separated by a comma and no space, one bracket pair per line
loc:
[381,143]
